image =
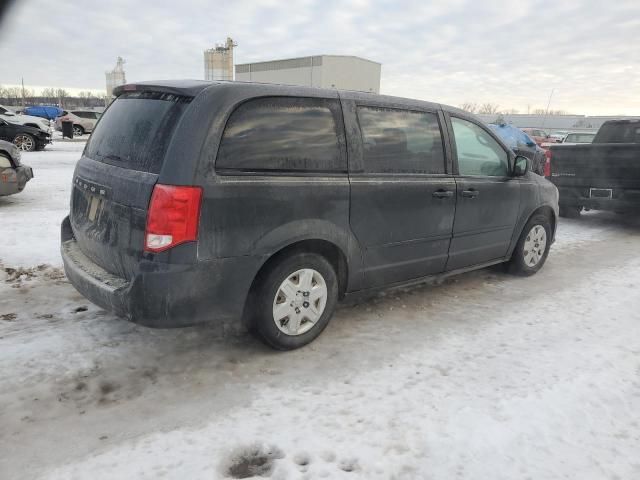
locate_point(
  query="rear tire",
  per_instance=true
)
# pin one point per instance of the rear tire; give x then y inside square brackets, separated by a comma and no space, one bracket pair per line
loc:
[78,131]
[533,246]
[295,299]
[570,211]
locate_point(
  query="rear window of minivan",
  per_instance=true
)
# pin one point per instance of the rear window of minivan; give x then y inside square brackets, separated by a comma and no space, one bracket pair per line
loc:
[135,131]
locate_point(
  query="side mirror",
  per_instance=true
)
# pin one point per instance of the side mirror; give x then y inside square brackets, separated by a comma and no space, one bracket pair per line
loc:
[520,166]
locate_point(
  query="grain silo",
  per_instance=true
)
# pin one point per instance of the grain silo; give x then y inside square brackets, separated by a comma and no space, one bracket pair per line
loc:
[218,61]
[115,77]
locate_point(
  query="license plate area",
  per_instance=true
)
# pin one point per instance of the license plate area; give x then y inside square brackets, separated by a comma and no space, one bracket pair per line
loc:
[601,193]
[94,207]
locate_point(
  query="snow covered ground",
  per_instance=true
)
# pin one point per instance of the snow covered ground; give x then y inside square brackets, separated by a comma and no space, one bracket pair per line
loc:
[486,376]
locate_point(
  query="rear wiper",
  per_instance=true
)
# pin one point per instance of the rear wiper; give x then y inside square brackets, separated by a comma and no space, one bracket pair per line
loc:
[117,158]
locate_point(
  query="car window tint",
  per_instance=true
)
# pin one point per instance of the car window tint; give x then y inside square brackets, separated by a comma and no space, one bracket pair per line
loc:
[618,133]
[283,134]
[136,129]
[478,152]
[401,141]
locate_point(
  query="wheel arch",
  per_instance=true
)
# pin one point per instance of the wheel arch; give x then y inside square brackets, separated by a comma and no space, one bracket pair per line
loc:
[546,210]
[328,249]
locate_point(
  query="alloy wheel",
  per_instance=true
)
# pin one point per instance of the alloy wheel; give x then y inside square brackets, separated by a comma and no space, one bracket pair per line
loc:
[24,142]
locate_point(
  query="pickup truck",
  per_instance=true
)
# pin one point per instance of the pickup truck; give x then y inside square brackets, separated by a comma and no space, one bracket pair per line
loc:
[603,175]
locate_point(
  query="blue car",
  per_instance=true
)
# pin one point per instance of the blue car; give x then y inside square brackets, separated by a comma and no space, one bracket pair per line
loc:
[521,144]
[44,111]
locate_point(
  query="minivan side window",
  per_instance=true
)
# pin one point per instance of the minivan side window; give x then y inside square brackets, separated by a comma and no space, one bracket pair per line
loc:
[284,134]
[478,152]
[401,141]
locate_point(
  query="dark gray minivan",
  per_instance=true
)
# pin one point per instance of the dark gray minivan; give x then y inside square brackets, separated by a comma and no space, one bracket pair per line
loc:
[196,201]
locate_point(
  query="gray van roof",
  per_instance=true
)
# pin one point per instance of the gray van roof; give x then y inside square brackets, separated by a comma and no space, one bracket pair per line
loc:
[192,88]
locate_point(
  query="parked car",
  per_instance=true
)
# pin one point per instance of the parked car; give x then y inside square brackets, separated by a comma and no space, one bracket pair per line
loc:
[83,121]
[13,175]
[25,138]
[578,137]
[521,144]
[48,112]
[603,175]
[540,136]
[573,139]
[558,136]
[271,202]
[26,120]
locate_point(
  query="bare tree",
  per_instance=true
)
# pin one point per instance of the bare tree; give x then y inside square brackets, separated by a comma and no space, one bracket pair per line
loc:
[61,95]
[469,107]
[510,111]
[13,94]
[542,111]
[49,95]
[489,108]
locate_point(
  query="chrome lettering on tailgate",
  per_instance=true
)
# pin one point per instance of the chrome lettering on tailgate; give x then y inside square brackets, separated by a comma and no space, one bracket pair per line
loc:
[93,188]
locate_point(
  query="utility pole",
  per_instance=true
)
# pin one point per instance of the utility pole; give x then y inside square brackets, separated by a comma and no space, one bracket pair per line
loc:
[544,119]
[22,78]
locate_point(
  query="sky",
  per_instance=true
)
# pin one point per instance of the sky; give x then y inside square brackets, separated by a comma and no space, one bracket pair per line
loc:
[511,53]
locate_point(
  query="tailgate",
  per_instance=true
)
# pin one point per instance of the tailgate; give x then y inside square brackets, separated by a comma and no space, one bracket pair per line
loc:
[108,214]
[114,179]
[610,165]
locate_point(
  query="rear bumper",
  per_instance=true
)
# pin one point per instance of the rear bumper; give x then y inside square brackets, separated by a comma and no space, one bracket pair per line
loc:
[164,295]
[13,180]
[623,199]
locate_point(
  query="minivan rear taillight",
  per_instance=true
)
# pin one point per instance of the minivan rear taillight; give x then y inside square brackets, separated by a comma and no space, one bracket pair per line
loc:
[173,216]
[547,163]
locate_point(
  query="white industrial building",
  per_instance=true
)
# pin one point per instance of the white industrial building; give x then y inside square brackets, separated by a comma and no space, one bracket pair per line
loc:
[573,123]
[327,71]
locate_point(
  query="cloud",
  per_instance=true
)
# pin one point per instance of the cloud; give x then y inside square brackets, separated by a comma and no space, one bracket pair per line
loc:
[508,52]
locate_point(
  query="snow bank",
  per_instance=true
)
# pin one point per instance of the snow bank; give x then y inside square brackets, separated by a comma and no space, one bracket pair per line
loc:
[31,219]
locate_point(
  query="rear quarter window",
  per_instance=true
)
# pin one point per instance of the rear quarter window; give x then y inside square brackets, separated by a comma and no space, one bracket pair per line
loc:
[135,131]
[284,134]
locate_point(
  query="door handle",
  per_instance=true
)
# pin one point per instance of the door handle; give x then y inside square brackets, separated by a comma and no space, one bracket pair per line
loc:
[442,194]
[470,193]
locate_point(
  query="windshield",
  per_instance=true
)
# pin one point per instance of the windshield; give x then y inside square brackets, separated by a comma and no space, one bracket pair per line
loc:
[136,129]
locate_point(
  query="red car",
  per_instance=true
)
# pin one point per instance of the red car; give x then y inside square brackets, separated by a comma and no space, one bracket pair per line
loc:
[538,135]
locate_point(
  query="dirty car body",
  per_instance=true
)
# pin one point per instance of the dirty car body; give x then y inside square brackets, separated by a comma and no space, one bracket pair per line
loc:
[377,228]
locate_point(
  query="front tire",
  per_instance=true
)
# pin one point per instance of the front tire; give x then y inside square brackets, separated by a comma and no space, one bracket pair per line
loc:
[25,142]
[295,300]
[533,246]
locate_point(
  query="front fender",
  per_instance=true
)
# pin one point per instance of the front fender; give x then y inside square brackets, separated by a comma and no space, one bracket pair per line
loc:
[536,195]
